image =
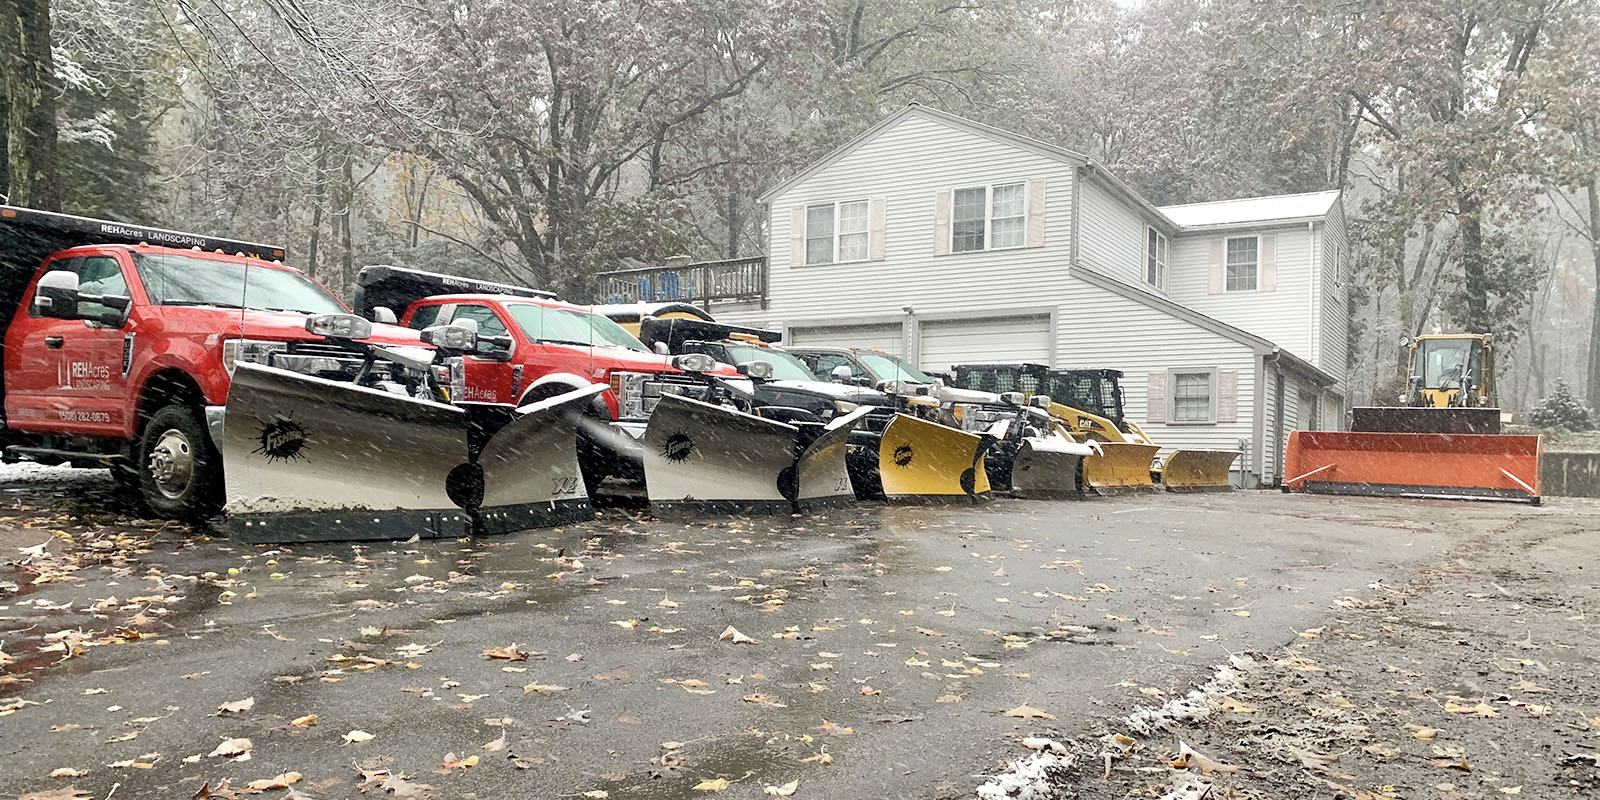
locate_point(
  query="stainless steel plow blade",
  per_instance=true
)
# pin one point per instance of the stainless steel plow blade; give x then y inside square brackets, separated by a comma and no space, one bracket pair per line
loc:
[700,457]
[309,459]
[530,470]
[1050,467]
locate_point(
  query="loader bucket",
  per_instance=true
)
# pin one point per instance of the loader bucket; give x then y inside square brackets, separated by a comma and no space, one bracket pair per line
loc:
[824,479]
[309,459]
[1450,465]
[1198,470]
[700,457]
[529,468]
[1121,467]
[1050,467]
[918,459]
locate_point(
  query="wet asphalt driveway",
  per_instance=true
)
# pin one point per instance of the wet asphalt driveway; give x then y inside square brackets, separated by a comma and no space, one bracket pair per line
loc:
[887,643]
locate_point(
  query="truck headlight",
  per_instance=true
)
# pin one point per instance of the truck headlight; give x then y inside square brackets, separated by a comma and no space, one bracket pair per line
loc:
[695,362]
[339,326]
[760,370]
[845,406]
[255,351]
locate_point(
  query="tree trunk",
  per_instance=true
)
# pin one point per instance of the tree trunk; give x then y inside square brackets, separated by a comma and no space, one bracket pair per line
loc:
[319,191]
[1593,190]
[733,226]
[1474,263]
[347,200]
[28,69]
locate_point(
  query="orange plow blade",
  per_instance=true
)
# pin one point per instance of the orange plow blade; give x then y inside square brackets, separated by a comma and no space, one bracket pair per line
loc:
[1448,465]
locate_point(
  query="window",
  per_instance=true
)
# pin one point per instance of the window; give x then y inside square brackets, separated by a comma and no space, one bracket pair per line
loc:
[100,275]
[488,323]
[824,365]
[554,325]
[424,317]
[1193,394]
[1243,263]
[836,232]
[173,280]
[1156,250]
[989,217]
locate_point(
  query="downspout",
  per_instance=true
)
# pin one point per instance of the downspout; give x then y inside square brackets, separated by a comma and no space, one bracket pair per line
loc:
[1259,432]
[1313,295]
[1276,357]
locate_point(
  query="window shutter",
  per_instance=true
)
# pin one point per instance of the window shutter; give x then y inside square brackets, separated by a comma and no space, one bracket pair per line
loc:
[1269,263]
[1216,265]
[1227,395]
[941,224]
[875,228]
[1036,213]
[1144,255]
[1155,400]
[797,236]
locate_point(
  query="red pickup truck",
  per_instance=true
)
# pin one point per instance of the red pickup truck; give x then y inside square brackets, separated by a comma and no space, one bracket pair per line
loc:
[120,341]
[533,347]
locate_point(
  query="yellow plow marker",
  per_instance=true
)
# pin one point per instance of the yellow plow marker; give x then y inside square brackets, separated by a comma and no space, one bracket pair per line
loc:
[922,459]
[1198,470]
[1120,467]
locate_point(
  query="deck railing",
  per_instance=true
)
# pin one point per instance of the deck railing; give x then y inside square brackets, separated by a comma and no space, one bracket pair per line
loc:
[705,281]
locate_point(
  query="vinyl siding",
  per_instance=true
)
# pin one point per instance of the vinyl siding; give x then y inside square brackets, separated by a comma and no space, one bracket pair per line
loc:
[1334,353]
[1099,328]
[1284,316]
[1112,236]
[908,165]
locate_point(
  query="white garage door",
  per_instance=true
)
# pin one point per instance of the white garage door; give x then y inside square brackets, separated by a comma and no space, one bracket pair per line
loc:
[988,340]
[875,337]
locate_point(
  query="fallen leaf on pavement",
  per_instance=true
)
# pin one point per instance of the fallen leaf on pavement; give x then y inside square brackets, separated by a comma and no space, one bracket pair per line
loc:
[542,688]
[737,637]
[1235,706]
[824,758]
[1422,731]
[496,745]
[305,721]
[1480,710]
[1029,712]
[65,793]
[356,737]
[712,784]
[1189,757]
[782,791]
[835,729]
[451,762]
[237,706]
[507,653]
[1042,744]
[232,748]
[283,781]
[68,772]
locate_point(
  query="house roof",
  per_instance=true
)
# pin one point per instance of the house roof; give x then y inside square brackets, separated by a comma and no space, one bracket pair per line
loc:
[1275,208]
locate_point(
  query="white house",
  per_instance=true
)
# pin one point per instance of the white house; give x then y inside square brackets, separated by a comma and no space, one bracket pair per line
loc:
[949,241]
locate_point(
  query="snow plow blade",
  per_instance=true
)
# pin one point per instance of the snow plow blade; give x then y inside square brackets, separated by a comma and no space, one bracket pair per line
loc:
[700,457]
[1198,470]
[1050,467]
[529,468]
[310,459]
[1121,467]
[918,459]
[824,478]
[1445,465]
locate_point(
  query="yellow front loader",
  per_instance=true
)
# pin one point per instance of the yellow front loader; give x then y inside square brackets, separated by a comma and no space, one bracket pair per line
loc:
[1088,402]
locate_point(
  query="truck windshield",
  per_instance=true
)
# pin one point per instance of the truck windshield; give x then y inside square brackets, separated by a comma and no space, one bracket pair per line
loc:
[571,326]
[172,280]
[1441,362]
[893,368]
[785,367]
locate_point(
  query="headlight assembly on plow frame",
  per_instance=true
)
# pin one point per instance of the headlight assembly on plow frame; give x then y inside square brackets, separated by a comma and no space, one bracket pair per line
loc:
[255,351]
[845,406]
[339,326]
[695,362]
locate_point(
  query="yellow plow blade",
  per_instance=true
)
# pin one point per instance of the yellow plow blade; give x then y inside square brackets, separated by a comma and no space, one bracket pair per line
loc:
[922,459]
[1198,470]
[1120,467]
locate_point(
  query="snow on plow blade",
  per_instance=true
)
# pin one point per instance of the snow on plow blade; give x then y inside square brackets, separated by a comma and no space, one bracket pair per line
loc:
[700,457]
[1457,466]
[529,468]
[918,459]
[310,459]
[1120,467]
[1050,467]
[1198,470]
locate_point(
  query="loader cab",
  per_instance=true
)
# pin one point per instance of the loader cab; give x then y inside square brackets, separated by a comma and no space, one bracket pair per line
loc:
[1097,391]
[1451,370]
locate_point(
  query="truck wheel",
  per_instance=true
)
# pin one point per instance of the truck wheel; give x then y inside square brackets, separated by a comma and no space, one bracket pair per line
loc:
[179,469]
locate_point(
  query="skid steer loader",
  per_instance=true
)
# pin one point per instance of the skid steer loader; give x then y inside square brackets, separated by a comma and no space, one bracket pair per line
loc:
[1442,441]
[386,457]
[1088,403]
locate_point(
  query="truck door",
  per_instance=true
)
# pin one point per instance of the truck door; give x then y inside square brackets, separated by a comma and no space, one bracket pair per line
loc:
[489,380]
[70,376]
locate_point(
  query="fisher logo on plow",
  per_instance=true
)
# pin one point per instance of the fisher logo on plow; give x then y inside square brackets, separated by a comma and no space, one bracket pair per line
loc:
[903,455]
[282,439]
[677,448]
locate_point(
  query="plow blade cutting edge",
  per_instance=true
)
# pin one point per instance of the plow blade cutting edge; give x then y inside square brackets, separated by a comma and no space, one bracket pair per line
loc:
[309,459]
[918,459]
[700,457]
[1120,467]
[1050,467]
[1198,470]
[1456,466]
[529,468]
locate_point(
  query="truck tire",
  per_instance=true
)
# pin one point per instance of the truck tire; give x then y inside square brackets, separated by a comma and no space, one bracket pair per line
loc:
[180,471]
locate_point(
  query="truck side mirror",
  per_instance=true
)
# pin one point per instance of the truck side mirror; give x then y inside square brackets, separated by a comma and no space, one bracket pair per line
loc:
[842,374]
[384,315]
[56,296]
[661,349]
[458,336]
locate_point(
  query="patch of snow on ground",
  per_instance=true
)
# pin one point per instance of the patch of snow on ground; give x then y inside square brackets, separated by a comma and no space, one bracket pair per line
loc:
[1195,705]
[1031,778]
